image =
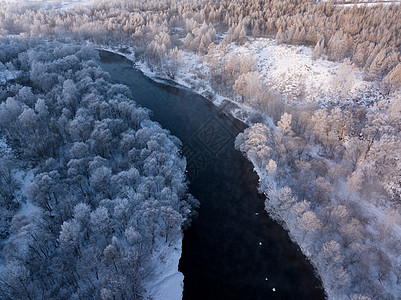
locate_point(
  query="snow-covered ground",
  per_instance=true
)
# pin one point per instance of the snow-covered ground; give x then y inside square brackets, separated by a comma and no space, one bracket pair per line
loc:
[168,282]
[291,71]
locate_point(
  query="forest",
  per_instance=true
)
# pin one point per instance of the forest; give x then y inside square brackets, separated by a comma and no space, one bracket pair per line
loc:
[90,187]
[369,36]
[330,171]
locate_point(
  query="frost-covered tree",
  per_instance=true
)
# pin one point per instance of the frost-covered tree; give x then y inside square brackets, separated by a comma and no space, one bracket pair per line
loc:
[108,186]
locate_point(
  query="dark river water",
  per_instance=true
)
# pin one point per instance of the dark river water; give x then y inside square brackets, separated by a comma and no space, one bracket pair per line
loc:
[233,250]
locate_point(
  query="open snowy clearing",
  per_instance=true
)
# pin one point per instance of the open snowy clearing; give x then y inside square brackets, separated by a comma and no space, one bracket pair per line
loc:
[291,71]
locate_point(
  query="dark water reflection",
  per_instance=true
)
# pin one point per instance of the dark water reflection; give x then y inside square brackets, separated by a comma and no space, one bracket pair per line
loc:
[233,246]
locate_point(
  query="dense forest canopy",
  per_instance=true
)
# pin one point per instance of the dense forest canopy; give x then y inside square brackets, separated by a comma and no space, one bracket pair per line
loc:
[330,171]
[368,35]
[90,187]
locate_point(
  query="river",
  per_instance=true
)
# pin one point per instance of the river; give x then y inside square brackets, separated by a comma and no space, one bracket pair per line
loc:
[233,250]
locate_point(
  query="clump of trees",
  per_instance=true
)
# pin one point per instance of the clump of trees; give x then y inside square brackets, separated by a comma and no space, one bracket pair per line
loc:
[332,178]
[367,35]
[108,186]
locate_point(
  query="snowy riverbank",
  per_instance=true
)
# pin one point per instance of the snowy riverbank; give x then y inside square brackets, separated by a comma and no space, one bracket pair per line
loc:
[168,282]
